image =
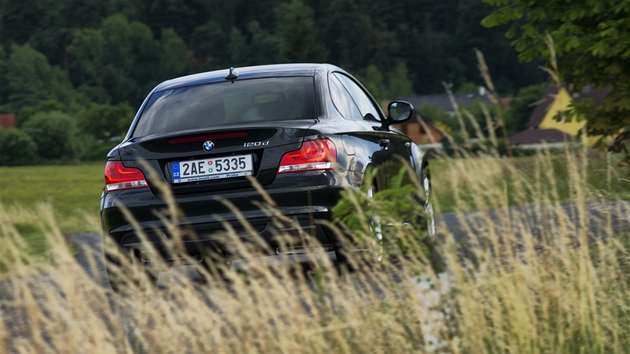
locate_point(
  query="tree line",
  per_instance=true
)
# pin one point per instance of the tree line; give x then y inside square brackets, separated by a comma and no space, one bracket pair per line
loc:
[92,62]
[583,43]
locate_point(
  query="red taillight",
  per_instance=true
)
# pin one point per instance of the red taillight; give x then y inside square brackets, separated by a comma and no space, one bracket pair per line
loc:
[118,177]
[313,155]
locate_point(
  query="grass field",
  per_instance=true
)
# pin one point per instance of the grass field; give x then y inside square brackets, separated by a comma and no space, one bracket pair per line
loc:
[72,190]
[542,179]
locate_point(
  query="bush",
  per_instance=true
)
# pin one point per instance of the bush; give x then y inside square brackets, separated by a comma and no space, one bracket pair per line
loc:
[44,106]
[450,149]
[438,115]
[55,134]
[17,147]
[485,146]
[95,150]
[104,121]
[526,152]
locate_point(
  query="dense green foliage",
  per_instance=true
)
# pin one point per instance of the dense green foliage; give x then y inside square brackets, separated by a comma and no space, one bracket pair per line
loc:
[96,60]
[54,133]
[437,114]
[590,39]
[103,121]
[523,105]
[17,147]
[115,51]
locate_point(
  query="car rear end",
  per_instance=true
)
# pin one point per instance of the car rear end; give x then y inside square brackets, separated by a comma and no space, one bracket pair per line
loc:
[202,143]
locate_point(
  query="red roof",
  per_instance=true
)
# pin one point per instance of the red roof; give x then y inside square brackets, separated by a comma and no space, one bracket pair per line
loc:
[7,120]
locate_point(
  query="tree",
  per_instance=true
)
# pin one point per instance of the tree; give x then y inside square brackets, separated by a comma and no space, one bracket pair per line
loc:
[264,46]
[88,46]
[399,83]
[181,15]
[55,134]
[48,25]
[470,34]
[173,55]
[43,106]
[5,91]
[373,82]
[17,147]
[116,51]
[131,59]
[349,33]
[30,79]
[298,34]
[590,39]
[104,121]
[122,61]
[208,43]
[238,52]
[21,17]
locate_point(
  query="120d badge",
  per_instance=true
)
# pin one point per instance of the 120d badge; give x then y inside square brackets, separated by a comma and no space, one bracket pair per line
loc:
[256,143]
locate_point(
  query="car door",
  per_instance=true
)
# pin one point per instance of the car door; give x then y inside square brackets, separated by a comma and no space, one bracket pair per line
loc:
[390,144]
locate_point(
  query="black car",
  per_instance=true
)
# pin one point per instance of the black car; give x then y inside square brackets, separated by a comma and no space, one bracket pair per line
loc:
[303,131]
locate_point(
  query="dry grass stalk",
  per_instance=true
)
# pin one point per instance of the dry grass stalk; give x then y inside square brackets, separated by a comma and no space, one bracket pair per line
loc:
[534,281]
[458,114]
[492,95]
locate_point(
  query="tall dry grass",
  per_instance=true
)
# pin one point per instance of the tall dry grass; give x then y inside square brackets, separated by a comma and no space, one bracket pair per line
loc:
[547,277]
[542,278]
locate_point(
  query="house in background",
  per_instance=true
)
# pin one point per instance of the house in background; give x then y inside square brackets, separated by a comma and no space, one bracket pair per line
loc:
[465,100]
[7,120]
[421,134]
[542,125]
[428,133]
[425,133]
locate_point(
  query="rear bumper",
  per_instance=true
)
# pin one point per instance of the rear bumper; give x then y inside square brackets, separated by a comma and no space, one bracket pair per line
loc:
[301,198]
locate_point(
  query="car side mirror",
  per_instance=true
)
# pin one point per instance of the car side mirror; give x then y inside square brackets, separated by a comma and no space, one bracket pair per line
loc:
[397,112]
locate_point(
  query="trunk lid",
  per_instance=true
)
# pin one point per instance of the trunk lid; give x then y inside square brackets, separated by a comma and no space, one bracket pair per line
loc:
[159,156]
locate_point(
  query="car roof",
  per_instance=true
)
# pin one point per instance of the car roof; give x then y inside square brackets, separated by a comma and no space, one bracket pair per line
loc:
[249,72]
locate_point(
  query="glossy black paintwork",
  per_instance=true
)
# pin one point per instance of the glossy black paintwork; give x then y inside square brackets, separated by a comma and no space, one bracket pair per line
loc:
[360,145]
[159,151]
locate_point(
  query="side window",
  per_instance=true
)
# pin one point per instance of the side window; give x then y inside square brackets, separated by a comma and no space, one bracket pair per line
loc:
[365,103]
[342,100]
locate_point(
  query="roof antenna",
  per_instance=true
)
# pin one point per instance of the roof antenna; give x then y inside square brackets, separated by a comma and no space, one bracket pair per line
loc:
[233,75]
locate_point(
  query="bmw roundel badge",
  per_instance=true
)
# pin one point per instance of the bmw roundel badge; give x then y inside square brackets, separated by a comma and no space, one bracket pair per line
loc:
[208,145]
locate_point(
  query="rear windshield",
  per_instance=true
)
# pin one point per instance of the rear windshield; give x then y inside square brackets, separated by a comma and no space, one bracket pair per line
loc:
[204,106]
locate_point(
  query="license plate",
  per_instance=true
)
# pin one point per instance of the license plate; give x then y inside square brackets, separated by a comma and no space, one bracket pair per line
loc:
[215,168]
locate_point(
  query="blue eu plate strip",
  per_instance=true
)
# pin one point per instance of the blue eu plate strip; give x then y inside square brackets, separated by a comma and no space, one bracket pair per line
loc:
[175,169]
